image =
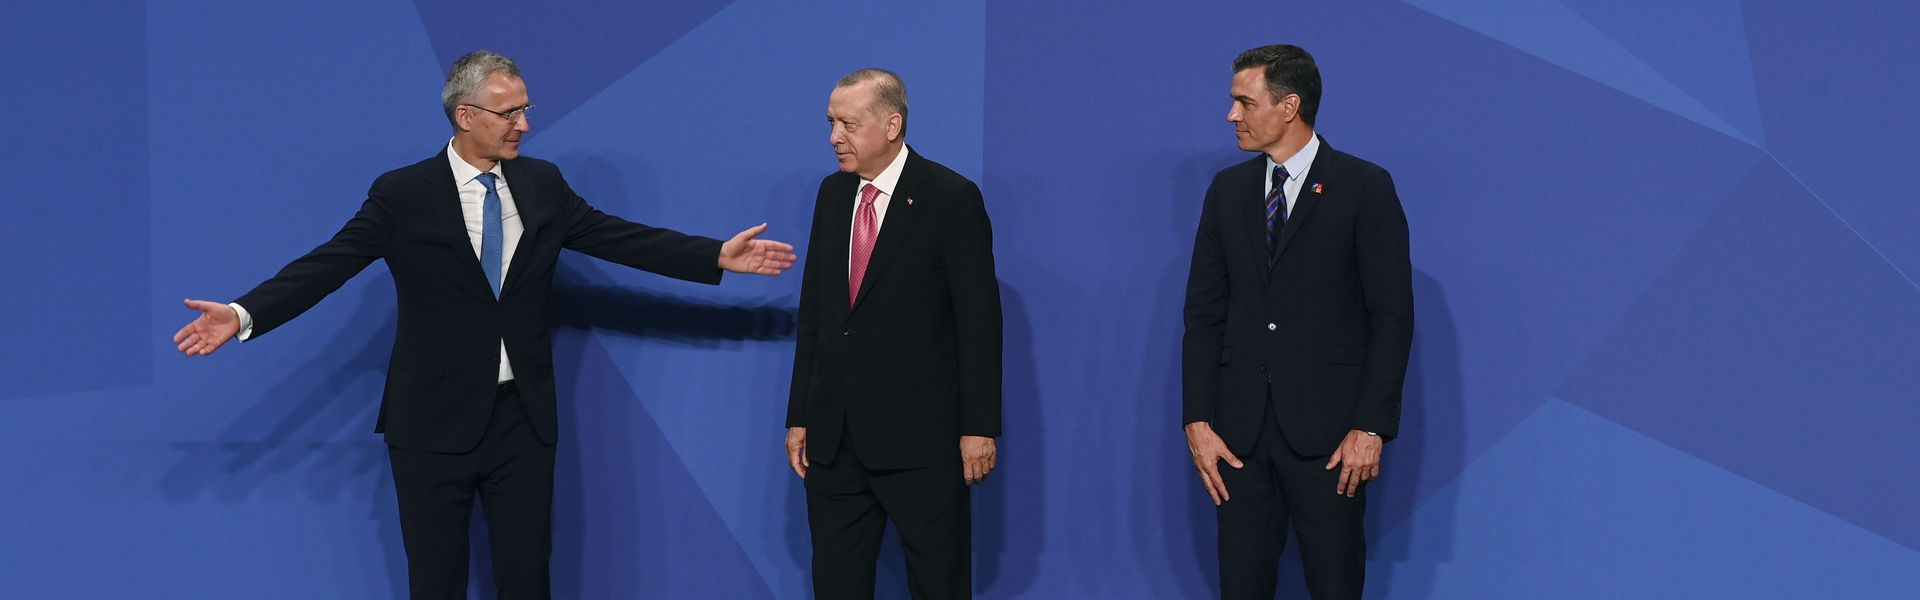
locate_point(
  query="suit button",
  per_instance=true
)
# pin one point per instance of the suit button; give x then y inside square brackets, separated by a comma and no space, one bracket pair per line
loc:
[1271,327]
[1263,368]
[846,332]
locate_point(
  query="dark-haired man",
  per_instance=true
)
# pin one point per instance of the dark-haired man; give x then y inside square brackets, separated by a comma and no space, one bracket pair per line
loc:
[1299,318]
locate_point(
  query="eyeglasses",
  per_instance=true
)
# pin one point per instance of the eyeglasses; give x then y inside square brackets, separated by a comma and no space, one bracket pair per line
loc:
[510,116]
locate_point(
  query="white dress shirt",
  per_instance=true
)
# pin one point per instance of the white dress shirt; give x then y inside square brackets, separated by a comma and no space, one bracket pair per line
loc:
[473,196]
[1297,166]
[887,182]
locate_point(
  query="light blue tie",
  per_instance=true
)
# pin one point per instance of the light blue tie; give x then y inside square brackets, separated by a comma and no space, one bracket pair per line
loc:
[492,239]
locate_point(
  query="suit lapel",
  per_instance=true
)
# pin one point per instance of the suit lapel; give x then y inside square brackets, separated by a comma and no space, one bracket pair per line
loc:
[445,206]
[533,216]
[1309,199]
[897,227]
[839,235]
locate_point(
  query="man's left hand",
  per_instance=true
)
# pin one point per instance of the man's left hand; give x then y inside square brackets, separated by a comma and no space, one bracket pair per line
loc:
[1359,462]
[977,456]
[743,254]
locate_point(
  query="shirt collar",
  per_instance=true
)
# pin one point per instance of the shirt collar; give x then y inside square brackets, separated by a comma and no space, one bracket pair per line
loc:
[464,172]
[1298,164]
[890,176]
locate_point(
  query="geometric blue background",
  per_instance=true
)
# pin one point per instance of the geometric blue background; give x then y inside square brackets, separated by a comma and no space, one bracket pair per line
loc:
[1664,264]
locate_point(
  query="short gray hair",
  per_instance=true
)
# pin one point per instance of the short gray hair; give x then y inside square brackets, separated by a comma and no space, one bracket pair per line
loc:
[469,74]
[889,92]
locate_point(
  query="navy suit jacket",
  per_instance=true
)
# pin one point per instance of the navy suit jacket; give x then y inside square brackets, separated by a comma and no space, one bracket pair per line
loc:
[446,352]
[1326,329]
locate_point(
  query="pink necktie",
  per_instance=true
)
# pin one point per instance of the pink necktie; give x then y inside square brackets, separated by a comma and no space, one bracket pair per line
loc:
[865,230]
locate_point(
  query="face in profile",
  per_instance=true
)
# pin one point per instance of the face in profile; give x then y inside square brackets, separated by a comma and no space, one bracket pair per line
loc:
[862,138]
[1259,120]
[496,137]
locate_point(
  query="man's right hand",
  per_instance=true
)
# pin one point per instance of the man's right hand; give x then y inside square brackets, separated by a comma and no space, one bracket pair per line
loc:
[217,324]
[1208,450]
[797,450]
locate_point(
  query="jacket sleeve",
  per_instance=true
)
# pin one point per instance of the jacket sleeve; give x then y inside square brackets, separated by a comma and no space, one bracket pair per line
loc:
[1205,316]
[652,249]
[807,326]
[967,245]
[306,280]
[1386,282]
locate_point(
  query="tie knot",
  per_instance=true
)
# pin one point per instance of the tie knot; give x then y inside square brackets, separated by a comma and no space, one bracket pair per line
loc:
[1279,175]
[486,179]
[868,194]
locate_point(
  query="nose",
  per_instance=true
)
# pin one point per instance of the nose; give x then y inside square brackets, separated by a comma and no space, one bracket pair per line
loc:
[523,124]
[1233,113]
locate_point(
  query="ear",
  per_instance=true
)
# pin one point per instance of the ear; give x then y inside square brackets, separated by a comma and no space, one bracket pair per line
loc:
[1290,107]
[463,118]
[893,126]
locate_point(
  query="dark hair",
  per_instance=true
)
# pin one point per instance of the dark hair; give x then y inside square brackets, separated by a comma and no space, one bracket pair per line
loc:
[1289,70]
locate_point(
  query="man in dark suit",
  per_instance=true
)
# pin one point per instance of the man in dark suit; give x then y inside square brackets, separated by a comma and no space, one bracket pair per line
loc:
[471,236]
[1299,317]
[895,401]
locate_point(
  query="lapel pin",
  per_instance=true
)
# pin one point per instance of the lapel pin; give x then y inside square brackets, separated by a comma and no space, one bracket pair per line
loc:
[909,201]
[1317,189]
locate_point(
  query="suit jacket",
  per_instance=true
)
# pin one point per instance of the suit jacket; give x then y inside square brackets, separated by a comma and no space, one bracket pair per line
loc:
[1327,328]
[446,352]
[915,363]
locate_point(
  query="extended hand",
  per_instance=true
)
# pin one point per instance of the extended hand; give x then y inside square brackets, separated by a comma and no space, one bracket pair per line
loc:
[977,456]
[1359,461]
[1208,450]
[743,254]
[217,324]
[797,450]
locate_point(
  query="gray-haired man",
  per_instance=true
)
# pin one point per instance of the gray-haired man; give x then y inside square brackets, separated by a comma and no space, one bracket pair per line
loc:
[471,236]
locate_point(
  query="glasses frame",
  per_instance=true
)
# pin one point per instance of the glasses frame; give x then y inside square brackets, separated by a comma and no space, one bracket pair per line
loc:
[511,116]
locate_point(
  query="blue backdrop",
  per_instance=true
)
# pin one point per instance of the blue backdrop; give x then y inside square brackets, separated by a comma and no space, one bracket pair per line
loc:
[1664,260]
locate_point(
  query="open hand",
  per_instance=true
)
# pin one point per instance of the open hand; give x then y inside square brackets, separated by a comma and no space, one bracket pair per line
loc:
[744,254]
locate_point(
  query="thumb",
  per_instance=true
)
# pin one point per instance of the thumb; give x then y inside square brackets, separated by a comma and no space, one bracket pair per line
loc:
[1333,461]
[751,232]
[1232,460]
[201,305]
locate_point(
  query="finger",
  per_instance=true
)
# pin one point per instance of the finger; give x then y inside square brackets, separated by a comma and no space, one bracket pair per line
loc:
[186,343]
[1211,492]
[1333,460]
[1220,483]
[1232,460]
[774,247]
[178,336]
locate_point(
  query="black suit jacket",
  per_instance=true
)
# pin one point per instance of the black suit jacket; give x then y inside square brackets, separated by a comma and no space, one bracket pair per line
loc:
[915,363]
[446,352]
[1328,327]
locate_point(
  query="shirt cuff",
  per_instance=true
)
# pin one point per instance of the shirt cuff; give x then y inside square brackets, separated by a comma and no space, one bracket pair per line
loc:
[246,321]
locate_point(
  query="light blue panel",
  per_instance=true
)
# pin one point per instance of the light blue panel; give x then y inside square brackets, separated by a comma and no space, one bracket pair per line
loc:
[1573,506]
[1700,46]
[1551,31]
[714,134]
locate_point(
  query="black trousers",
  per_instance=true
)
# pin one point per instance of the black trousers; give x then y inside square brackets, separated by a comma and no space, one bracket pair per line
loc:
[512,472]
[848,506]
[1278,487]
